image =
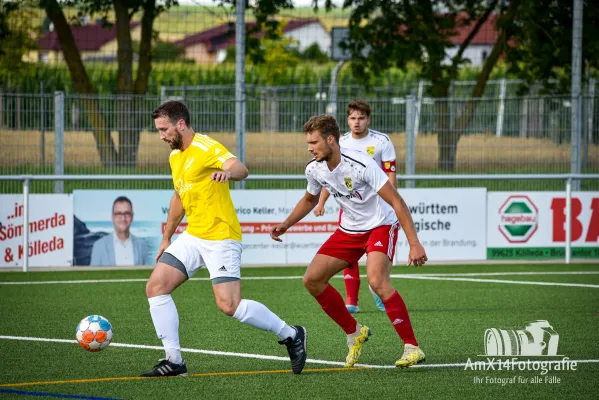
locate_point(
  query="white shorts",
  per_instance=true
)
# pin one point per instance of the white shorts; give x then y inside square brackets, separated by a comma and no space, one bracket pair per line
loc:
[221,257]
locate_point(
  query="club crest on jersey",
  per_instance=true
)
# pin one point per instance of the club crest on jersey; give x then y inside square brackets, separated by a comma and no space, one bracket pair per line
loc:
[370,150]
[348,183]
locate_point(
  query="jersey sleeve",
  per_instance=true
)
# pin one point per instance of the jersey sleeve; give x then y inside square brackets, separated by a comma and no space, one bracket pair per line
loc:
[314,187]
[388,157]
[217,154]
[374,176]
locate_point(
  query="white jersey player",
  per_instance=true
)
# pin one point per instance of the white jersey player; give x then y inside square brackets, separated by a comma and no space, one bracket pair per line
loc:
[371,208]
[354,184]
[378,146]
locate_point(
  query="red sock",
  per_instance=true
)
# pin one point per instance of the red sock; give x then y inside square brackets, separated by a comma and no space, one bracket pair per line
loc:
[399,317]
[332,303]
[351,277]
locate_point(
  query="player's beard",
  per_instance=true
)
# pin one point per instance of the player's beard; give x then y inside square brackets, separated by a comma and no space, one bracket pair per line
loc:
[327,154]
[177,142]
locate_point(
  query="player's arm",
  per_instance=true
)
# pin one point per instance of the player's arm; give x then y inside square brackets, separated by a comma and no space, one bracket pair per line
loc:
[324,196]
[232,170]
[389,163]
[392,178]
[176,212]
[303,207]
[390,195]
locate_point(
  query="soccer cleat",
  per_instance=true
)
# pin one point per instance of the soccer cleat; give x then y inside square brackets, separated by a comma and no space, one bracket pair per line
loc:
[352,309]
[412,355]
[166,368]
[377,300]
[355,341]
[297,349]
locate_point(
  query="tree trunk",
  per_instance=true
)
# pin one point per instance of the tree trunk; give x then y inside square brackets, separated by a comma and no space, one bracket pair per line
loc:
[144,67]
[81,81]
[490,62]
[127,134]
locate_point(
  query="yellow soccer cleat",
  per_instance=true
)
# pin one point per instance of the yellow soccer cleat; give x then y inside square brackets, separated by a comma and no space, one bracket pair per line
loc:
[412,355]
[355,341]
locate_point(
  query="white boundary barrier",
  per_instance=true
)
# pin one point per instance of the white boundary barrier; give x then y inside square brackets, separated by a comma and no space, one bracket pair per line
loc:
[568,178]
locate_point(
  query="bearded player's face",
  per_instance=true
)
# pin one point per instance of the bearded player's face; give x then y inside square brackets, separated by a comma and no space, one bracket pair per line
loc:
[318,146]
[169,132]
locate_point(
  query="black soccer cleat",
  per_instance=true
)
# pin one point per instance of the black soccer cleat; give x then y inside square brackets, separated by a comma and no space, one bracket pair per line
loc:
[297,349]
[166,368]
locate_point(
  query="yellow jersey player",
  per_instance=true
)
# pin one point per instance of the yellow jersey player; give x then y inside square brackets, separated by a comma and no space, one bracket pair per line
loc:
[202,168]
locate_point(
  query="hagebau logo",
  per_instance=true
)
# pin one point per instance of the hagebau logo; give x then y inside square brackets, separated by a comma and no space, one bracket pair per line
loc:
[518,219]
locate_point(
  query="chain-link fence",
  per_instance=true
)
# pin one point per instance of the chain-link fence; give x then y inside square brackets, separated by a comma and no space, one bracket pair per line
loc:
[41,134]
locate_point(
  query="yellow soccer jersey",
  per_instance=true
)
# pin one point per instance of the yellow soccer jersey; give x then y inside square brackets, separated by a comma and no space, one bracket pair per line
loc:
[208,204]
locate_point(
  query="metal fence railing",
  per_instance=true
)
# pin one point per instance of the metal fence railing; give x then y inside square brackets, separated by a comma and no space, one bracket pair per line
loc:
[74,134]
[568,178]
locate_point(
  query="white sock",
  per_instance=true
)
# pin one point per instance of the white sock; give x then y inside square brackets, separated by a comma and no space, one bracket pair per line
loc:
[258,315]
[166,322]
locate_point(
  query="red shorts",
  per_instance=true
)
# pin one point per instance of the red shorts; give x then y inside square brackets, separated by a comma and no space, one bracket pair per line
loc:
[351,247]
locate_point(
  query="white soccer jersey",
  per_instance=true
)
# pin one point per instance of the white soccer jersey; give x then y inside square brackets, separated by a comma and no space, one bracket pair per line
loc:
[354,185]
[376,144]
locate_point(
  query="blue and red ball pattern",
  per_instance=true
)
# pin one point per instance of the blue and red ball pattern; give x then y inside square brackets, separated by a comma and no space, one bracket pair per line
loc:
[94,333]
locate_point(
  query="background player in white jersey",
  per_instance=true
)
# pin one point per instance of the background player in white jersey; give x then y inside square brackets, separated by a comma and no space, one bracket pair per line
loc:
[379,146]
[371,209]
[201,168]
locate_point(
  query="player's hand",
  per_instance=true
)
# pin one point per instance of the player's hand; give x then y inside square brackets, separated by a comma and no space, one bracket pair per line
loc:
[163,246]
[278,231]
[417,255]
[319,210]
[220,176]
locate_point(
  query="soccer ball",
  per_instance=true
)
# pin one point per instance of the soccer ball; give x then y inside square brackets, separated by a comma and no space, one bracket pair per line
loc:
[94,333]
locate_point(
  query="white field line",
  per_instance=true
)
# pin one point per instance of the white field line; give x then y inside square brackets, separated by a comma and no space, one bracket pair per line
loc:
[444,278]
[286,359]
[454,277]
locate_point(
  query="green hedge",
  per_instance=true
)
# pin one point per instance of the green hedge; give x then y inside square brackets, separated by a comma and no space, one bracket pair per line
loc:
[56,77]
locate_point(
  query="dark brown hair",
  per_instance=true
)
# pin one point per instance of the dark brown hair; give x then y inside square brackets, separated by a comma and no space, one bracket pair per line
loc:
[122,199]
[325,124]
[174,110]
[359,105]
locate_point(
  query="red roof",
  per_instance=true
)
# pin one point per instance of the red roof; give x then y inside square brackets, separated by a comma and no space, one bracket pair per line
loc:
[87,37]
[487,34]
[223,35]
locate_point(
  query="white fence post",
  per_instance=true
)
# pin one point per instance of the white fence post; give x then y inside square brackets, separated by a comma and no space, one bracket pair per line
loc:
[25,225]
[58,140]
[411,118]
[501,111]
[568,219]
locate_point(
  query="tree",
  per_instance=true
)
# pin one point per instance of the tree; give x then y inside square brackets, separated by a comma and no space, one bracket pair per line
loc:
[16,30]
[130,108]
[398,32]
[541,51]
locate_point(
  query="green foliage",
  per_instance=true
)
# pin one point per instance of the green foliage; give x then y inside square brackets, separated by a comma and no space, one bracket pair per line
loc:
[16,28]
[276,61]
[164,51]
[542,50]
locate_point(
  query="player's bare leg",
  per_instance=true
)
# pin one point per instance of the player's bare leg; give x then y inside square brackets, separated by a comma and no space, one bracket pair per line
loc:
[316,280]
[163,281]
[227,294]
[378,272]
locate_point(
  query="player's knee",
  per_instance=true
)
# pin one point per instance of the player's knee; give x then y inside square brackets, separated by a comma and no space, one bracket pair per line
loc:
[308,282]
[227,306]
[377,284]
[156,287]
